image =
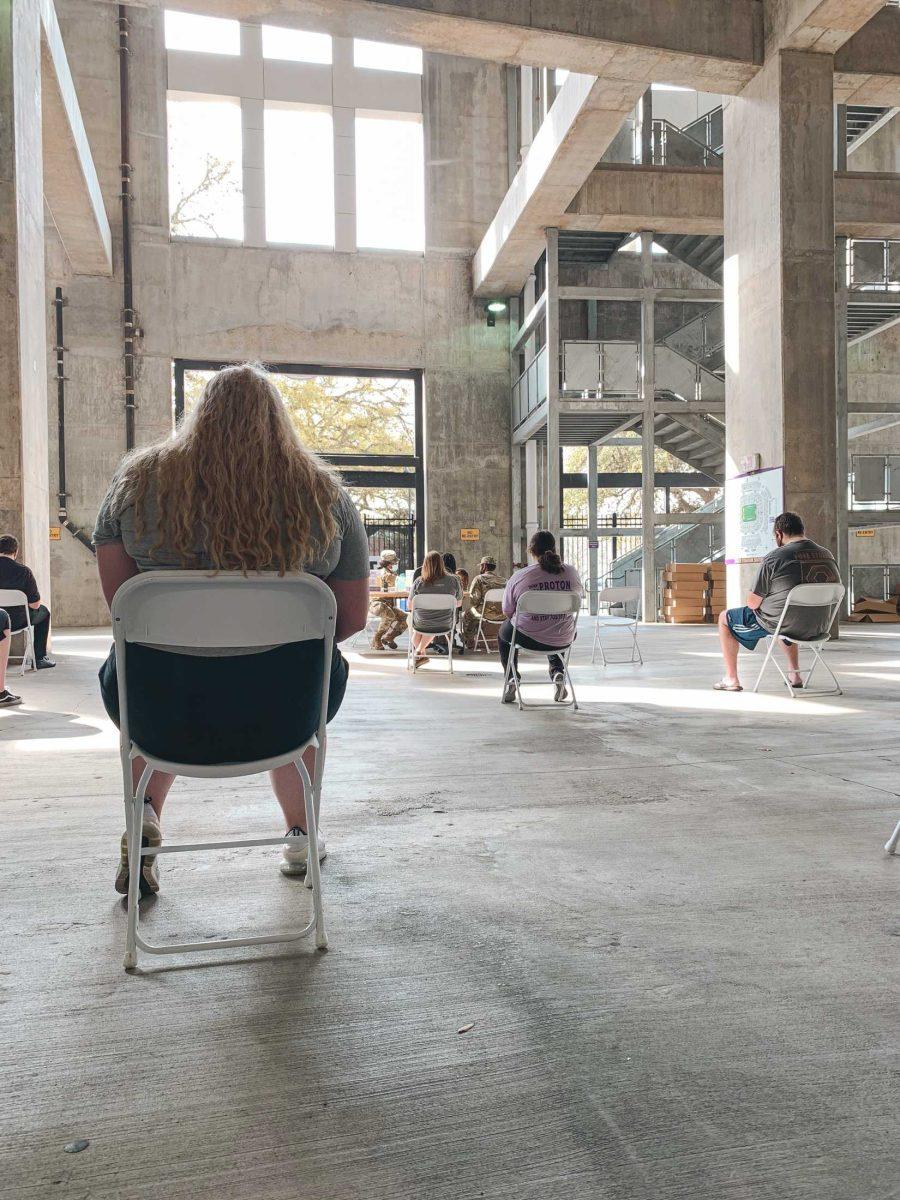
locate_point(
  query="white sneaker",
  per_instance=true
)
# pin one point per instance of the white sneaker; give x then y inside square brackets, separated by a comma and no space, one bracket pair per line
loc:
[148,879]
[296,850]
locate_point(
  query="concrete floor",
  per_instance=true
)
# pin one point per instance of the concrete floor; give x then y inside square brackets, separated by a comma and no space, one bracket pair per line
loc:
[668,917]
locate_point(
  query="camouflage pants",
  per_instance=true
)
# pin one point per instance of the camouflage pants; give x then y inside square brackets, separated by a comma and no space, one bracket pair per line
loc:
[391,625]
[490,629]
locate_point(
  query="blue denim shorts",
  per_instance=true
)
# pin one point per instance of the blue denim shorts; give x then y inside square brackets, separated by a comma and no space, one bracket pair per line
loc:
[745,627]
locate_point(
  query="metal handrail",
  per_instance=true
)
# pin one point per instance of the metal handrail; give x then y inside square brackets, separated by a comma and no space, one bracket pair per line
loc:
[708,156]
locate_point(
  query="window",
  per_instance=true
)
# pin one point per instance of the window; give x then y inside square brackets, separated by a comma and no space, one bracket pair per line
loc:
[560,75]
[209,35]
[390,186]
[205,184]
[299,154]
[386,56]
[295,45]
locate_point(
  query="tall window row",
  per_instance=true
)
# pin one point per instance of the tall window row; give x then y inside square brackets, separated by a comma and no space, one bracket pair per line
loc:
[298,172]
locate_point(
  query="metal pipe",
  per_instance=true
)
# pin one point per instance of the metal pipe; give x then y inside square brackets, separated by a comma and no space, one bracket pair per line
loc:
[59,304]
[128,316]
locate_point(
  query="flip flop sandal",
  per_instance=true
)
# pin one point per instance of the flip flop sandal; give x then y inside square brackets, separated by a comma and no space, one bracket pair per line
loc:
[722,686]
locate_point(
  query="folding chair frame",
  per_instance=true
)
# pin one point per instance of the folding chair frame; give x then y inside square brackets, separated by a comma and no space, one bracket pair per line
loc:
[890,846]
[27,630]
[562,651]
[482,621]
[607,621]
[134,798]
[447,633]
[815,646]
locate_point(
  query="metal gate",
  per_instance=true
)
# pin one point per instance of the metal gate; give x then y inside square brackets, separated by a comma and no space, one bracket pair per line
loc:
[394,535]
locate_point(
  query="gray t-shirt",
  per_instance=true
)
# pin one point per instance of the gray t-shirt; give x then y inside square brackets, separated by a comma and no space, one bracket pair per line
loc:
[345,557]
[784,568]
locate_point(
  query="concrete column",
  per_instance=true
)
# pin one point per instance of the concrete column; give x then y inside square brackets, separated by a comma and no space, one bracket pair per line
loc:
[592,528]
[344,125]
[532,519]
[516,505]
[24,481]
[645,127]
[554,513]
[842,553]
[648,441]
[779,286]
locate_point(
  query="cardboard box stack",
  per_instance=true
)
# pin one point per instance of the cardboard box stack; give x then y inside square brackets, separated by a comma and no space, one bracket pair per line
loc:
[694,592]
[686,595]
[716,576]
[877,611]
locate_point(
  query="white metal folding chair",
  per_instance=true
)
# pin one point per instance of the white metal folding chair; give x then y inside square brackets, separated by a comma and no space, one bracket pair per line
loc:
[891,844]
[443,610]
[491,596]
[613,597]
[807,595]
[9,598]
[191,608]
[544,604]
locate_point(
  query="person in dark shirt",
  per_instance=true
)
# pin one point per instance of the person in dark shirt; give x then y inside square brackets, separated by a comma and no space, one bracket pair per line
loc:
[16,577]
[795,560]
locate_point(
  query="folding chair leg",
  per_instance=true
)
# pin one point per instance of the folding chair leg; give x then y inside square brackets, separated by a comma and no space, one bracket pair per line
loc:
[134,826]
[313,873]
[891,844]
[762,671]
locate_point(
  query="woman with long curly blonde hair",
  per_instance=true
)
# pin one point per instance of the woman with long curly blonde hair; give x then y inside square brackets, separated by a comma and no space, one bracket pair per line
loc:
[234,489]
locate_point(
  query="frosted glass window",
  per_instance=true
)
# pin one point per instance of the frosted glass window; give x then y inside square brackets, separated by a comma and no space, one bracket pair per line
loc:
[390,182]
[205,179]
[208,35]
[299,153]
[295,45]
[560,75]
[386,56]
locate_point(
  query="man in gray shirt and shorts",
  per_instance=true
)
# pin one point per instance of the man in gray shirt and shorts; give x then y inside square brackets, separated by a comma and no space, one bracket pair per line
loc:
[796,560]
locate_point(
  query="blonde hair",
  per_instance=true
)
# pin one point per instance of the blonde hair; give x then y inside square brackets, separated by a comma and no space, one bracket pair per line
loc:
[433,567]
[234,487]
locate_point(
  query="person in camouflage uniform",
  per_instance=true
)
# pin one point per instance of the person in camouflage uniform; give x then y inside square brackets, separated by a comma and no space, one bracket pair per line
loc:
[486,579]
[393,619]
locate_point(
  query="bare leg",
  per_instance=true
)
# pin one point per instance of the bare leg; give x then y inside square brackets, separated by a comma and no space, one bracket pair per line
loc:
[157,788]
[730,647]
[421,641]
[792,654]
[289,791]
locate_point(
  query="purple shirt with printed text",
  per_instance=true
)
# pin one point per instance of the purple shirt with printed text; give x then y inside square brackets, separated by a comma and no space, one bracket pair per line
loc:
[549,628]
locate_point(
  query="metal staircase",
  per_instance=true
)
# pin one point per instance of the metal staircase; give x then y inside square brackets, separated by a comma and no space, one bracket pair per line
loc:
[863,319]
[704,254]
[697,440]
[861,117]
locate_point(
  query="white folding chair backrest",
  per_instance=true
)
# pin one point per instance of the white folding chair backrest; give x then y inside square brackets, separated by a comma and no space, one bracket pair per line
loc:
[435,604]
[547,603]
[494,596]
[619,595]
[13,598]
[228,611]
[814,595]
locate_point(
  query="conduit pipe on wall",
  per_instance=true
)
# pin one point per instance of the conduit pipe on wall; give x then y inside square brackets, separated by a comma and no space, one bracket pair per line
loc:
[129,329]
[59,304]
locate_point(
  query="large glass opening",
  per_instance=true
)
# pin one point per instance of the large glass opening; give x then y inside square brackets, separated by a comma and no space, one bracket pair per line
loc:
[367,423]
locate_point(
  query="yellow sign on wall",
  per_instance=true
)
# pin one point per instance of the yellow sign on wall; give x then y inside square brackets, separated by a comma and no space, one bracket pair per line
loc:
[55,531]
[865,532]
[469,535]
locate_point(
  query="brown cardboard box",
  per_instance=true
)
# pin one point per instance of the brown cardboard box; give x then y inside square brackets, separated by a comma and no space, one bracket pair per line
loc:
[876,618]
[867,604]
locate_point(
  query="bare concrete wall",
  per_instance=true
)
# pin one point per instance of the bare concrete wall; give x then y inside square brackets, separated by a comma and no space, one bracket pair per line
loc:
[203,300]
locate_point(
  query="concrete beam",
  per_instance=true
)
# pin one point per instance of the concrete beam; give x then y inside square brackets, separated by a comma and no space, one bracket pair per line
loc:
[867,204]
[584,118]
[867,67]
[665,199]
[820,25]
[683,200]
[71,186]
[713,45]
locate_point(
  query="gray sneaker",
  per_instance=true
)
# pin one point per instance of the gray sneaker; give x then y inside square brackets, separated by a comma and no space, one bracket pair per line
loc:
[561,692]
[8,700]
[148,879]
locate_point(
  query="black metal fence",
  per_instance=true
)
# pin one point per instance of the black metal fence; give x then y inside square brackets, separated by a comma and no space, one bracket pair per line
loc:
[394,535]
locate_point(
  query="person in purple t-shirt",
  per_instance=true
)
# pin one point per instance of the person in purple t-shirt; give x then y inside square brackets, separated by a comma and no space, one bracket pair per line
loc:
[540,631]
